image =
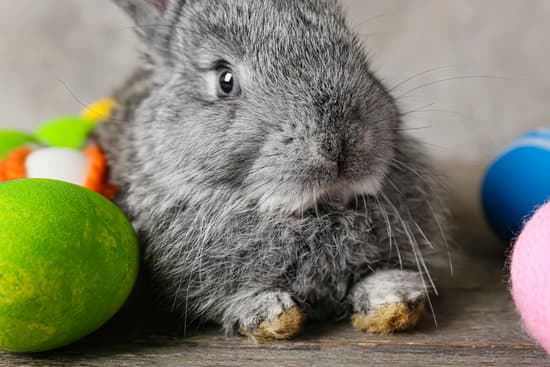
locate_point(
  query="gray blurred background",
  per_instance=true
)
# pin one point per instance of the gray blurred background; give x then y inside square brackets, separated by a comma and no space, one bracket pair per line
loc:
[482,67]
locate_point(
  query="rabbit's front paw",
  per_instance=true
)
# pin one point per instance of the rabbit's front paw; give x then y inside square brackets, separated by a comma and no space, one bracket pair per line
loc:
[271,315]
[388,301]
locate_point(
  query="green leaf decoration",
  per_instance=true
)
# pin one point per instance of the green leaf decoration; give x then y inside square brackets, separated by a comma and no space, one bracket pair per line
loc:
[65,132]
[10,140]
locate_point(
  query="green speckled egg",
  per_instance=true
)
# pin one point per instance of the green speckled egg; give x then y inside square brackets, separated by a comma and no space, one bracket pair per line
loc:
[68,261]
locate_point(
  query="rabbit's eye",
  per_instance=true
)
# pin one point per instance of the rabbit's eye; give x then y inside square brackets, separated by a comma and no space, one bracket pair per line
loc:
[228,84]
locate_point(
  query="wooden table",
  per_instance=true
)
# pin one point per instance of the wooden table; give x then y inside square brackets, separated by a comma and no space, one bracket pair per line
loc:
[477,325]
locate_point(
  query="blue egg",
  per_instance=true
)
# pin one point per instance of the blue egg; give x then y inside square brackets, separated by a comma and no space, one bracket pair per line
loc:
[517,183]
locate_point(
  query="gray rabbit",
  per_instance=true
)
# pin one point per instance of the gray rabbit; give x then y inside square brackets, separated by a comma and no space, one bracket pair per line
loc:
[267,173]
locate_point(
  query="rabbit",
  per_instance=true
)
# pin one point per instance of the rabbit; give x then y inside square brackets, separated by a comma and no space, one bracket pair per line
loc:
[267,172]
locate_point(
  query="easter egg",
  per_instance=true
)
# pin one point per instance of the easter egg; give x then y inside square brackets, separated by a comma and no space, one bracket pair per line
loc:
[530,278]
[68,261]
[517,183]
[63,164]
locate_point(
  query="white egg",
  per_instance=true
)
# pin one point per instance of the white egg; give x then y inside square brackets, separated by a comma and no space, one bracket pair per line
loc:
[61,164]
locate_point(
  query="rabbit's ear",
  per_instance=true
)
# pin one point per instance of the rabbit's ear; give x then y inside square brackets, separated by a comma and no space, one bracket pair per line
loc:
[147,14]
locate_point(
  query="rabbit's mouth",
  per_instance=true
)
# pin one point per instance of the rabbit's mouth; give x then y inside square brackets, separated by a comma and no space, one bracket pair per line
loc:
[338,194]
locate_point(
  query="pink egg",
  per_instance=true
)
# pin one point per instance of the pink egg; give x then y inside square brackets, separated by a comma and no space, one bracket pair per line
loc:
[531,276]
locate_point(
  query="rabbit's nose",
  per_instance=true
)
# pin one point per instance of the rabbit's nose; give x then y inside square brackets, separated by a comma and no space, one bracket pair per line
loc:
[332,148]
[328,154]
[333,159]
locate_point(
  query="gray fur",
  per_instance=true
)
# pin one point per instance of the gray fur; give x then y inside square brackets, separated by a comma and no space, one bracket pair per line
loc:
[386,287]
[304,185]
[146,15]
[250,307]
